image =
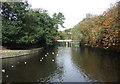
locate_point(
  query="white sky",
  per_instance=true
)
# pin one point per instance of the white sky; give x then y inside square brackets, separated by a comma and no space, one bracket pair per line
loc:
[74,10]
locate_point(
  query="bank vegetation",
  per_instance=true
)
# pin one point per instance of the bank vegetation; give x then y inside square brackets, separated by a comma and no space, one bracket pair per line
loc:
[24,26]
[100,30]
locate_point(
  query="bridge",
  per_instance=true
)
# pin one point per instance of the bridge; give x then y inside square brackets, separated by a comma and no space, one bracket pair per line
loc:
[69,42]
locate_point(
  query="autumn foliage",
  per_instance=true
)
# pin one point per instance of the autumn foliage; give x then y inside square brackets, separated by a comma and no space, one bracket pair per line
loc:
[101,30]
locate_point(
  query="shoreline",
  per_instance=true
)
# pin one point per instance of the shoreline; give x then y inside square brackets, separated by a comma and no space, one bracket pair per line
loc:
[17,53]
[110,49]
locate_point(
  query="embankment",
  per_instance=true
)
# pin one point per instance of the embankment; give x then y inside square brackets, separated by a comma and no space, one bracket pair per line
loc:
[16,53]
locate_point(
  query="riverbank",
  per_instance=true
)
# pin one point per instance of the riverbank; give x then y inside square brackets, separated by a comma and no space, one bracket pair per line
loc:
[101,47]
[16,53]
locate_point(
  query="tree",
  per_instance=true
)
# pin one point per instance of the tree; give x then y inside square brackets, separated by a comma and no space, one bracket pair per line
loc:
[58,20]
[12,21]
[30,26]
[100,30]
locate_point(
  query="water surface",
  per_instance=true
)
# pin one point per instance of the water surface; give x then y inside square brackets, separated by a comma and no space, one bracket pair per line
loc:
[63,64]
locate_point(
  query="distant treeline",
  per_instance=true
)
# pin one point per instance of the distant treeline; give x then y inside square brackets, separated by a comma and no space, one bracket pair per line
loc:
[22,25]
[100,30]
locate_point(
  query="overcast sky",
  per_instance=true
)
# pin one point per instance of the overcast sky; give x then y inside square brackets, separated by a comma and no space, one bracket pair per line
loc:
[74,10]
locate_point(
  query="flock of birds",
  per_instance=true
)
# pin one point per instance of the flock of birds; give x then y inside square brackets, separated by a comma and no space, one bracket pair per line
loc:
[4,70]
[47,55]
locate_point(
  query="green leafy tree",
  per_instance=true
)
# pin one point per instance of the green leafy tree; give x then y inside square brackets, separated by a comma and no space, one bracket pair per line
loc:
[22,25]
[12,21]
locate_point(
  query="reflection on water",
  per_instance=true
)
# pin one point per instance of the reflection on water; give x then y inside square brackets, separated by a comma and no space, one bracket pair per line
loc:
[63,64]
[98,65]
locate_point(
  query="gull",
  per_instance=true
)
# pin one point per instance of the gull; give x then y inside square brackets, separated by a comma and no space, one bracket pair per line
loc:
[45,55]
[53,60]
[53,53]
[25,62]
[7,76]
[3,70]
[12,66]
[40,60]
[42,57]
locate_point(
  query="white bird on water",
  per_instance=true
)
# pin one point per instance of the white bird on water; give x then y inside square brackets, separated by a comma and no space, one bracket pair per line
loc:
[42,57]
[53,60]
[7,76]
[12,66]
[53,53]
[3,70]
[40,60]
[45,55]
[25,62]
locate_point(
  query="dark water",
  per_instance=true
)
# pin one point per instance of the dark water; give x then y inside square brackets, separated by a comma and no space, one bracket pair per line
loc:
[63,64]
